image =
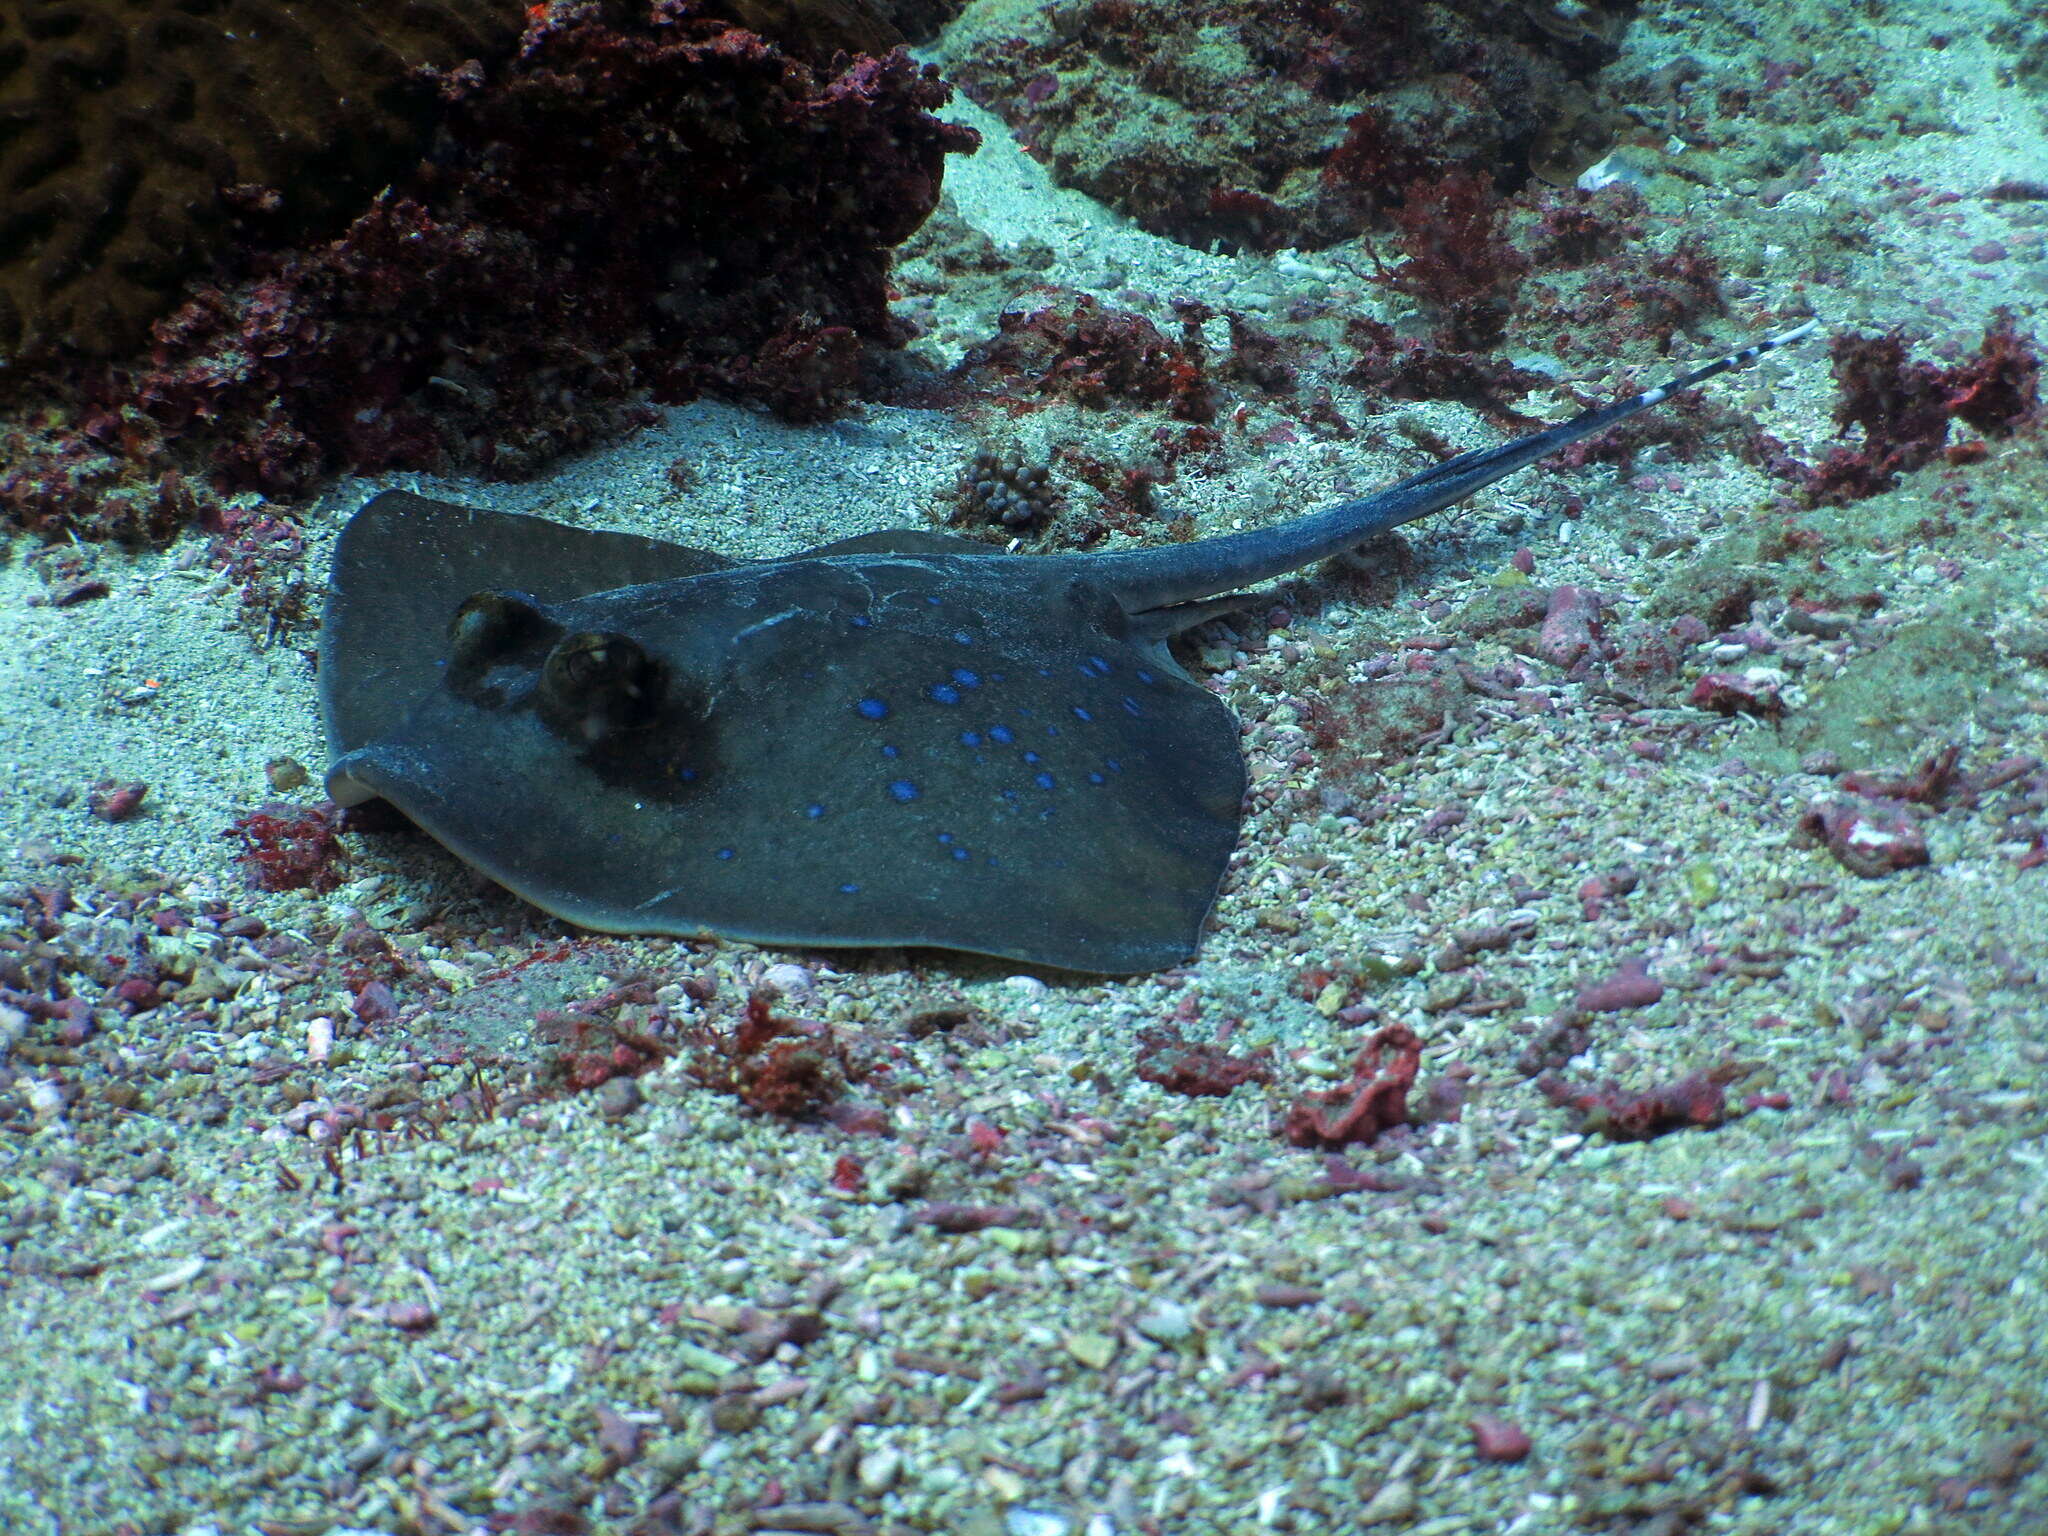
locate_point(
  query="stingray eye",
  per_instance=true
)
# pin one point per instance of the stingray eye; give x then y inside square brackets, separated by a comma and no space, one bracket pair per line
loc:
[488,626]
[594,684]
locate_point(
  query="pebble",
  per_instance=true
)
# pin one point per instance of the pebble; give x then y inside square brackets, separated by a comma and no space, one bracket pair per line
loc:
[1867,839]
[1498,1439]
[1035,1522]
[1630,987]
[285,774]
[1394,1502]
[116,799]
[1165,1322]
[1094,1350]
[1567,632]
[793,982]
[879,1470]
[181,1273]
[618,1097]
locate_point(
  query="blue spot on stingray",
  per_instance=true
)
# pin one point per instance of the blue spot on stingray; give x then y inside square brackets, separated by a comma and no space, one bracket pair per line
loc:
[1052,730]
[933,601]
[687,774]
[1082,714]
[1043,781]
[945,837]
[1144,676]
[860,621]
[1030,757]
[1096,778]
[961,637]
[1131,705]
[903,790]
[848,889]
[1000,735]
[1045,671]
[1099,665]
[970,738]
[959,853]
[872,709]
[1112,765]
[814,811]
[965,678]
[725,853]
[1011,796]
[945,693]
[892,752]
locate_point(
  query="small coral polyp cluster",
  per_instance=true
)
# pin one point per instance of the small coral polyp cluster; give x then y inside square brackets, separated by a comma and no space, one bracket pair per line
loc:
[1003,486]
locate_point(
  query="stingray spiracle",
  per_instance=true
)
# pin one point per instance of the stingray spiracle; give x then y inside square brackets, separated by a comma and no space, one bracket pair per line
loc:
[595,684]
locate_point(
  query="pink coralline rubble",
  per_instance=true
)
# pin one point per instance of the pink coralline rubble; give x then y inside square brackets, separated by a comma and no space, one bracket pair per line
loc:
[1632,986]
[1868,836]
[1696,1099]
[1375,1100]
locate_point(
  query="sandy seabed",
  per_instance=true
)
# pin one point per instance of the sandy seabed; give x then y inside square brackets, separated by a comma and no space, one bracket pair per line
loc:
[1009,1286]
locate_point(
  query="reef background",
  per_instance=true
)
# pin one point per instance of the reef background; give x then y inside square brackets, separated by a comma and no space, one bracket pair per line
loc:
[1611,1094]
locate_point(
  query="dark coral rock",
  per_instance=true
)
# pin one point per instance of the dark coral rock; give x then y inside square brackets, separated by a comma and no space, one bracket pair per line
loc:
[114,479]
[647,200]
[1270,123]
[137,135]
[670,203]
[812,29]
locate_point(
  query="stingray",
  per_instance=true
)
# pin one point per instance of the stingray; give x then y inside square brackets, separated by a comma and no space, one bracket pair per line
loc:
[898,739]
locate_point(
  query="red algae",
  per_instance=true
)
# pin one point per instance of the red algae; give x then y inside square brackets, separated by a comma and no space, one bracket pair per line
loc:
[291,847]
[1903,406]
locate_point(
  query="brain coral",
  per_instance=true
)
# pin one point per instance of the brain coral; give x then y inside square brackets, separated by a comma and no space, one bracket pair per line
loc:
[135,133]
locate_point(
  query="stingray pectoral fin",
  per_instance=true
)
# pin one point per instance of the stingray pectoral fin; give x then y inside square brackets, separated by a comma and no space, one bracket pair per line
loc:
[506,800]
[502,824]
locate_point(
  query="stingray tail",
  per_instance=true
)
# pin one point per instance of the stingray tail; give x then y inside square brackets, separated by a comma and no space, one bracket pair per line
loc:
[1157,578]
